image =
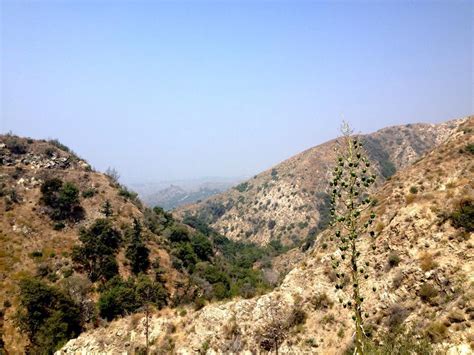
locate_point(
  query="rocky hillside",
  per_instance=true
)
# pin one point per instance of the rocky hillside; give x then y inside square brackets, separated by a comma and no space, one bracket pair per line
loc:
[74,240]
[422,273]
[289,203]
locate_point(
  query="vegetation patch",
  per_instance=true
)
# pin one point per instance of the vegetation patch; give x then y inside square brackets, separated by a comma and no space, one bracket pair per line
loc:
[464,216]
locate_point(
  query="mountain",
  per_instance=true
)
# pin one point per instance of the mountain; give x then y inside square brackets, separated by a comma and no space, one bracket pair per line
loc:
[418,295]
[289,203]
[79,249]
[178,195]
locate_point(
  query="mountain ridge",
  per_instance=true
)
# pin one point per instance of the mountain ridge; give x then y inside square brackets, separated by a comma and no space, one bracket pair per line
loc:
[289,200]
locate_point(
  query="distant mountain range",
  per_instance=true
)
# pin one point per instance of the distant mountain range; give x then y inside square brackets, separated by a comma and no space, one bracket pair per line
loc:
[173,194]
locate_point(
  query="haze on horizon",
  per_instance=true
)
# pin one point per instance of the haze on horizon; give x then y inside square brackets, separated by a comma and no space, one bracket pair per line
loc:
[182,90]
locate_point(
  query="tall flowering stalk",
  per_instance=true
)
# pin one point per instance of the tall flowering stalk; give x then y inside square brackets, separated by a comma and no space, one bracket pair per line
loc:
[350,183]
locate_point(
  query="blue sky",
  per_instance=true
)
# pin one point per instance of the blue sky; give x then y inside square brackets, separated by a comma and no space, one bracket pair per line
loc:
[186,89]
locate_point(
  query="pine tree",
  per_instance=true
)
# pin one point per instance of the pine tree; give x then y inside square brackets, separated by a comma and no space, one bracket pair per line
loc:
[107,209]
[137,252]
[349,198]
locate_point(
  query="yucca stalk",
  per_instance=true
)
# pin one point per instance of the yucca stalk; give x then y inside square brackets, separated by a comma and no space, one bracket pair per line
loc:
[350,183]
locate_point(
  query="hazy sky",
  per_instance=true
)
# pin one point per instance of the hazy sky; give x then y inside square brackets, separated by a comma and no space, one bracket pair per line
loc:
[184,89]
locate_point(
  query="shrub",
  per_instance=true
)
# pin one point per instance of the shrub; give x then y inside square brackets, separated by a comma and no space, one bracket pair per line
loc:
[464,216]
[427,292]
[112,174]
[242,187]
[47,316]
[61,199]
[59,226]
[274,174]
[396,316]
[91,192]
[413,190]
[410,198]
[59,145]
[179,234]
[202,247]
[470,148]
[15,145]
[271,224]
[427,262]
[398,341]
[321,301]
[119,298]
[436,331]
[393,259]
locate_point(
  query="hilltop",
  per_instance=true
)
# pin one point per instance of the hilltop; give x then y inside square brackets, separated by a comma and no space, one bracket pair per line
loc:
[422,271]
[289,204]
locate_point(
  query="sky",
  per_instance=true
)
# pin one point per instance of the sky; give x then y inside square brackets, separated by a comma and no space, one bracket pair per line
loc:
[167,90]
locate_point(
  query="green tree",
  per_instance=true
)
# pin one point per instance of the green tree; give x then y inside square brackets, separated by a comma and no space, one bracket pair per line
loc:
[150,294]
[137,252]
[47,315]
[119,298]
[96,254]
[349,198]
[202,246]
[106,209]
[62,200]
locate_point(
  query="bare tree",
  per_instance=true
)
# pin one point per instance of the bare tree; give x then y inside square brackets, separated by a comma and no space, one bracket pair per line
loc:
[113,174]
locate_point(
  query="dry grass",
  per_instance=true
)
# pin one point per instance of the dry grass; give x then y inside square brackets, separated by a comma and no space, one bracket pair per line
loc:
[427,262]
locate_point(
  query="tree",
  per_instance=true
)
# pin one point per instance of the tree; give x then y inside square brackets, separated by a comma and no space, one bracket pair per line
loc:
[62,200]
[106,209]
[113,174]
[349,198]
[150,293]
[47,315]
[119,298]
[137,252]
[96,255]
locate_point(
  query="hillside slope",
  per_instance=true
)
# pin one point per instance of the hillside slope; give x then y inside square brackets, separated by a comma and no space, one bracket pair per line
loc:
[289,202]
[423,271]
[57,234]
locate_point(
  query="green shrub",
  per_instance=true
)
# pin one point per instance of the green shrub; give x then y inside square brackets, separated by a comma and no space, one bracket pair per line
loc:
[179,234]
[15,145]
[397,341]
[47,316]
[59,226]
[427,292]
[88,193]
[464,216]
[321,301]
[470,148]
[436,331]
[61,199]
[59,145]
[413,190]
[242,187]
[202,247]
[393,259]
[119,298]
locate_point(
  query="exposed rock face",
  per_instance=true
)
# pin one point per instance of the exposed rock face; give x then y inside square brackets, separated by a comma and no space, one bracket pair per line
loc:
[428,289]
[289,201]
